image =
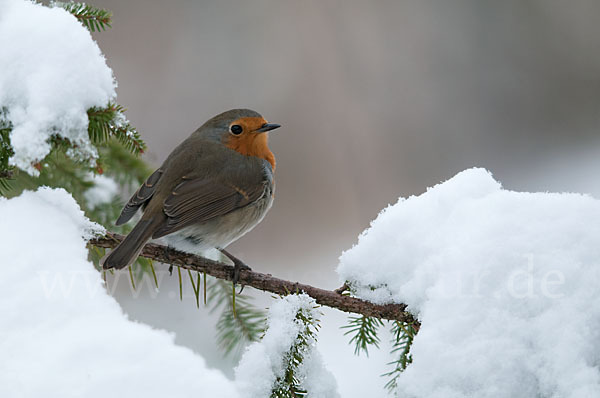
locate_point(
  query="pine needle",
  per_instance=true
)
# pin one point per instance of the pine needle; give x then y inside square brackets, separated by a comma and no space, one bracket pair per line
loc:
[180,284]
[131,278]
[153,273]
[195,288]
[233,299]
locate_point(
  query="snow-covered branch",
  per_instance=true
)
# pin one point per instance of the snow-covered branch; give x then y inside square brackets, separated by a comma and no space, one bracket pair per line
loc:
[264,282]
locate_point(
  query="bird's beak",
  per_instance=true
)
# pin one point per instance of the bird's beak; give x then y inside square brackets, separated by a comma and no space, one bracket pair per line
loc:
[268,127]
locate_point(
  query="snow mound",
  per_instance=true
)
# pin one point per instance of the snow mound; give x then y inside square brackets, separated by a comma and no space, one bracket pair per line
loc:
[263,362]
[52,72]
[61,334]
[506,285]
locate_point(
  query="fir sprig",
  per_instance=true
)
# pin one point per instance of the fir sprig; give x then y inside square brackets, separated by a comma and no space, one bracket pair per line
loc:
[364,332]
[127,169]
[402,339]
[290,385]
[56,171]
[234,330]
[108,122]
[94,19]
[106,125]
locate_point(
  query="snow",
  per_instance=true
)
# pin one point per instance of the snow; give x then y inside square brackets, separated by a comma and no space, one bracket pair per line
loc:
[104,190]
[61,333]
[318,380]
[504,283]
[52,72]
[263,362]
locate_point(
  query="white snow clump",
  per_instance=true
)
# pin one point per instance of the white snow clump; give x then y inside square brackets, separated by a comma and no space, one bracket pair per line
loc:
[505,284]
[52,71]
[61,334]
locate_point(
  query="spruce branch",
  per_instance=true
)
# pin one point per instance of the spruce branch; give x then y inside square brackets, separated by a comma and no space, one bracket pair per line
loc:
[290,385]
[402,338]
[265,282]
[118,143]
[125,167]
[234,330]
[110,121]
[94,19]
[364,331]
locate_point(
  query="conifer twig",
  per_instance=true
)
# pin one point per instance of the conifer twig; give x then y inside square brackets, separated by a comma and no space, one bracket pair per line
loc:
[266,282]
[94,19]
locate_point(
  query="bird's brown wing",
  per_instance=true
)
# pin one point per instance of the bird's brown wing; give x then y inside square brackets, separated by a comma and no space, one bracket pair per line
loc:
[198,200]
[141,196]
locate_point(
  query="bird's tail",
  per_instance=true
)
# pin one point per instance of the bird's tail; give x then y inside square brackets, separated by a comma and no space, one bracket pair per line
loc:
[128,250]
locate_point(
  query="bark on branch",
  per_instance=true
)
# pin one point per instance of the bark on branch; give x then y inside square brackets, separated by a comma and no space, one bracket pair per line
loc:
[264,282]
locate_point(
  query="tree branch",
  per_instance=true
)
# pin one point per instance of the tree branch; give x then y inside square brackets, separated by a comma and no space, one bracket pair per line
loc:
[264,282]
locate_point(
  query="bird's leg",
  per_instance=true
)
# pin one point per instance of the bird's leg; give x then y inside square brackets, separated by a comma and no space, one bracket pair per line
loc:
[238,265]
[167,254]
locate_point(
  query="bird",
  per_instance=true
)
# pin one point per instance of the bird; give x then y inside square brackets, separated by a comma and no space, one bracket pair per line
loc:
[212,189]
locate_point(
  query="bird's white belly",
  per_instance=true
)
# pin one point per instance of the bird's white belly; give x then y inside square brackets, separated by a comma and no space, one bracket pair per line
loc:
[220,231]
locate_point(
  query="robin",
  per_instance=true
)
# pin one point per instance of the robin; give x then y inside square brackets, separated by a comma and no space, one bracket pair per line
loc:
[212,189]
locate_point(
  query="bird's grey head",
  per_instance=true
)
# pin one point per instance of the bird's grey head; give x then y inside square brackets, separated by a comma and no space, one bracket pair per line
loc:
[234,123]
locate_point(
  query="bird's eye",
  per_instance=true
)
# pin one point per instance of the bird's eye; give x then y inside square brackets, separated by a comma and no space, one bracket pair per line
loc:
[236,129]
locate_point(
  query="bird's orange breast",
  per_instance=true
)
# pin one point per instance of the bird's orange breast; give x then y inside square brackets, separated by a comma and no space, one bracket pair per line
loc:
[250,143]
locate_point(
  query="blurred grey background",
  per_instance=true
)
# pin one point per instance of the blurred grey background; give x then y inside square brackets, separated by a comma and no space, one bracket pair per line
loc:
[378,99]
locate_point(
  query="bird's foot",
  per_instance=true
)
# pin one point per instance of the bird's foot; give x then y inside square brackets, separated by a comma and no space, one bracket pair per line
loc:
[238,265]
